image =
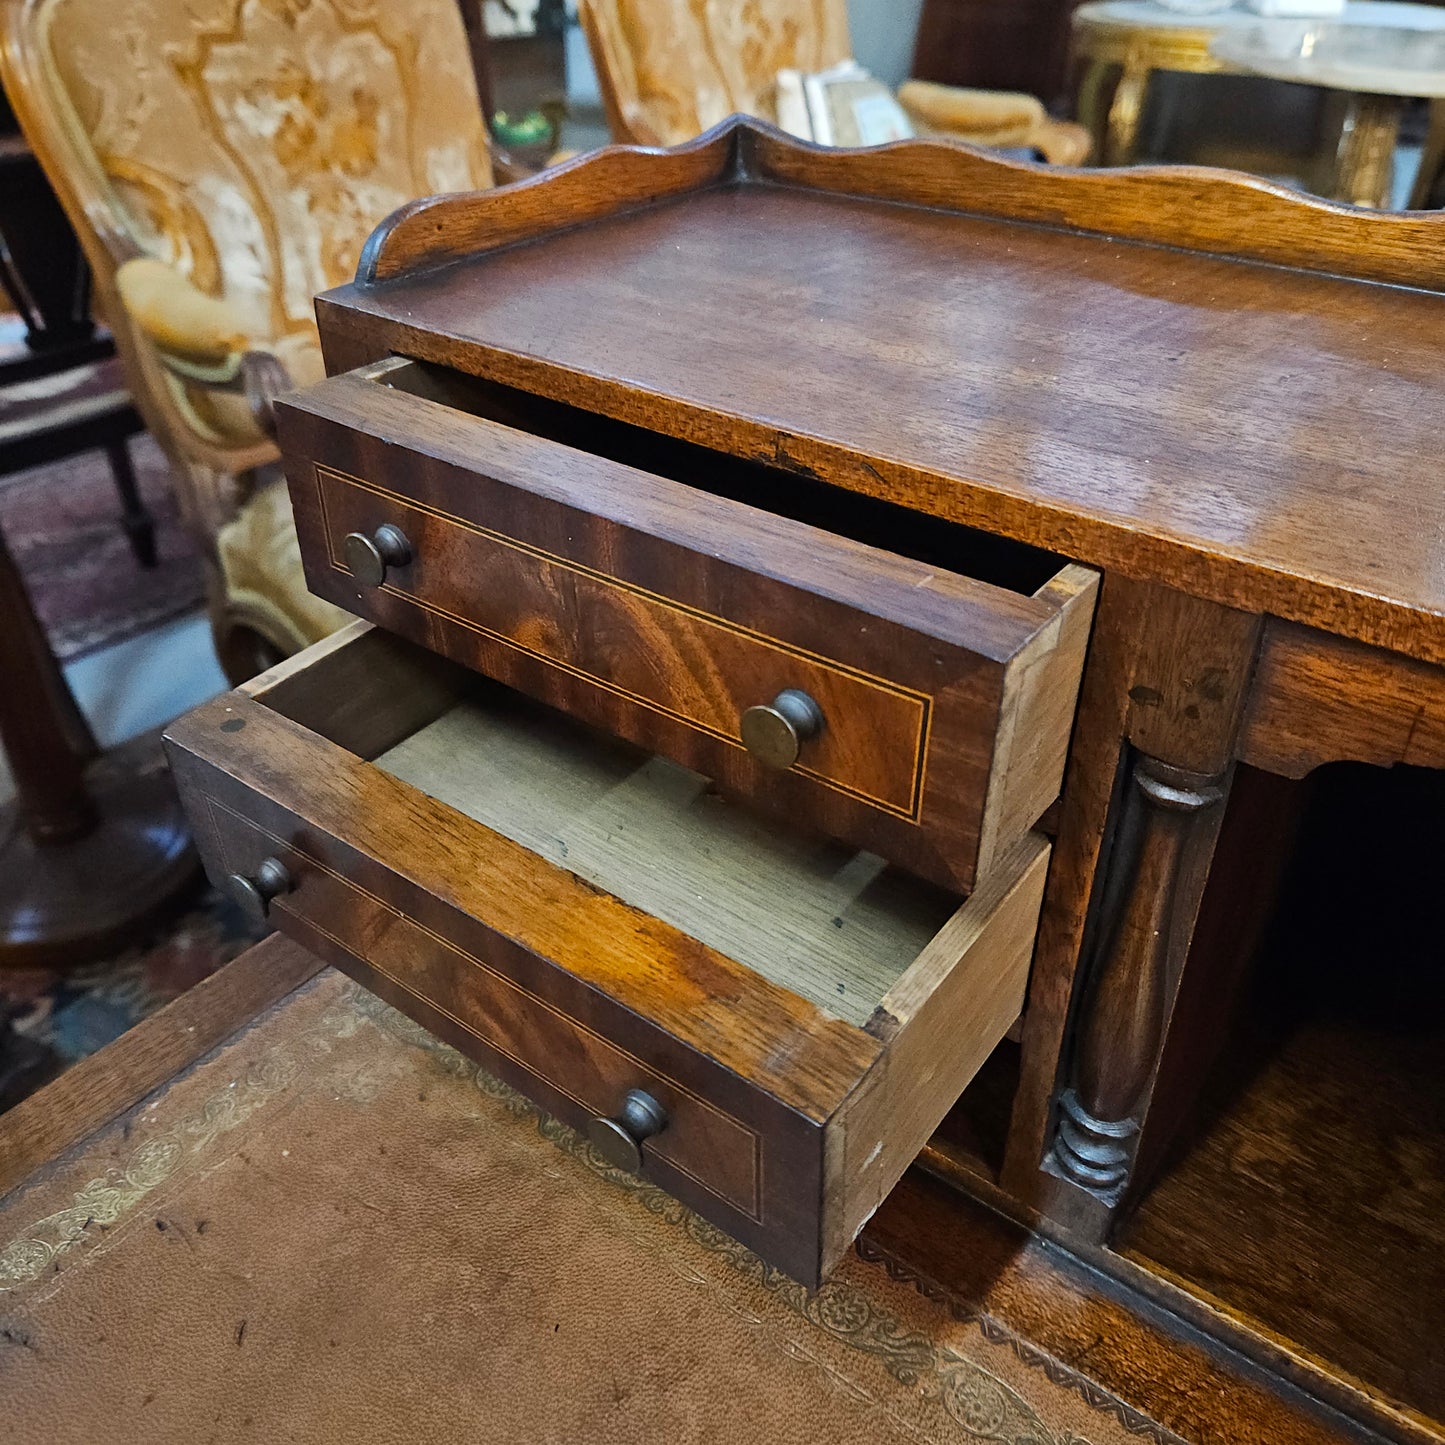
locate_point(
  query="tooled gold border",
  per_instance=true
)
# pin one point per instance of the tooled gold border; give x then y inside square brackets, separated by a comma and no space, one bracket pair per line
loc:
[924,703]
[753,1211]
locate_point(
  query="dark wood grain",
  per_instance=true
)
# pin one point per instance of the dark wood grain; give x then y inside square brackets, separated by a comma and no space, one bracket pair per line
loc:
[1307,1199]
[1224,213]
[1175,416]
[1311,1209]
[1158,714]
[474,961]
[438,228]
[1071,1320]
[1188,684]
[1320,699]
[1254,849]
[291,782]
[663,613]
[105,1084]
[569,1067]
[1220,393]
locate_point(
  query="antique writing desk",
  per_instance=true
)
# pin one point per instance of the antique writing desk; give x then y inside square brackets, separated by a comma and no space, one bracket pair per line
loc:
[841,478]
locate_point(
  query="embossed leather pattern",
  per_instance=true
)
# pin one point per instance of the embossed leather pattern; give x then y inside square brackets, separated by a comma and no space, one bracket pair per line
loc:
[337,1229]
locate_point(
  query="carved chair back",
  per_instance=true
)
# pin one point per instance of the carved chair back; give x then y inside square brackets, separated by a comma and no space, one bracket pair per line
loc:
[671,69]
[254,145]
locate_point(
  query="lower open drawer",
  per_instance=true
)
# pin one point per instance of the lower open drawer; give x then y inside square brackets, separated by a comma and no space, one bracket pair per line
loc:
[766,1024]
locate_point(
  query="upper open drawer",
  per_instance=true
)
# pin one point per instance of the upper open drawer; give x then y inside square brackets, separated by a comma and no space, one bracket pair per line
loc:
[902,683]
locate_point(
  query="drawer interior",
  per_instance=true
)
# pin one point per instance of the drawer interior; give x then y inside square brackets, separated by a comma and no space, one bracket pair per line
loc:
[818,918]
[782,491]
[828,922]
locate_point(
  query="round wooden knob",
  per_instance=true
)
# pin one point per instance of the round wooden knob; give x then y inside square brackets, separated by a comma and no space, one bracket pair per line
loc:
[619,1140]
[775,734]
[254,894]
[369,557]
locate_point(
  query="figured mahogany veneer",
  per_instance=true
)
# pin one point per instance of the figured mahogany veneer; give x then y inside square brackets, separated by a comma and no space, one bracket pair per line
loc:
[662,612]
[804,1018]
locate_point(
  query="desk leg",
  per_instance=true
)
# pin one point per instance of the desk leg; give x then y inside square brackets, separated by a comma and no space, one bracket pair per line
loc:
[1365,160]
[1151,773]
[1432,162]
[1090,106]
[1126,110]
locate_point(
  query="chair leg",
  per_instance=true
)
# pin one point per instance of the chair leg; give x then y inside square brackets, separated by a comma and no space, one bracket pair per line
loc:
[139,526]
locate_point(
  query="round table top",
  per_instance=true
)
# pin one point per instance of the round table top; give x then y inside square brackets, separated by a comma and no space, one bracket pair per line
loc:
[1383,57]
[1145,15]
[1379,47]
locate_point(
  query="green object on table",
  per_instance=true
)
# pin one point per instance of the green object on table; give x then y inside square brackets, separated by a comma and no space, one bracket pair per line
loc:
[531,129]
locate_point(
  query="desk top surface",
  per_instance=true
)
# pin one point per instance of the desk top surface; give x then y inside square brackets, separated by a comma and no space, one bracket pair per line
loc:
[1264,436]
[333,1228]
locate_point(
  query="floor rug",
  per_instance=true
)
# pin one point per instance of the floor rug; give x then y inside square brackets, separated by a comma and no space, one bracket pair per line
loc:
[336,1228]
[82,1009]
[61,523]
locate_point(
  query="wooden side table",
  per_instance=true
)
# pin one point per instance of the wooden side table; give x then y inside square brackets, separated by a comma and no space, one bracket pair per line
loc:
[91,852]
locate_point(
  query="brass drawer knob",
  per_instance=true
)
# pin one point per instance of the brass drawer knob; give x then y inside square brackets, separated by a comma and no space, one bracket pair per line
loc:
[775,734]
[254,894]
[619,1140]
[369,557]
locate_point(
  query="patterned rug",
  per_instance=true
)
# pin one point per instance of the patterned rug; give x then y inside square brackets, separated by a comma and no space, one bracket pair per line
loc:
[82,1010]
[62,525]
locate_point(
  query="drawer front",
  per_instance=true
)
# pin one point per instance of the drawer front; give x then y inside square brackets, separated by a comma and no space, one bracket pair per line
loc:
[752,1168]
[604,646]
[665,614]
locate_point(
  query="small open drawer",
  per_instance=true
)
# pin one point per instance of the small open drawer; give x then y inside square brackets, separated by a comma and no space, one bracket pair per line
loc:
[767,1025]
[886,678]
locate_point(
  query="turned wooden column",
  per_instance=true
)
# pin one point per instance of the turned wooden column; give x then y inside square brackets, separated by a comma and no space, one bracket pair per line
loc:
[91,849]
[1144,798]
[1132,973]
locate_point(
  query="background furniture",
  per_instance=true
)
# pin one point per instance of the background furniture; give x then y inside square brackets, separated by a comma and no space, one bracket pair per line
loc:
[1121,44]
[238,159]
[1018,45]
[45,277]
[1139,373]
[669,70]
[90,852]
[1378,57]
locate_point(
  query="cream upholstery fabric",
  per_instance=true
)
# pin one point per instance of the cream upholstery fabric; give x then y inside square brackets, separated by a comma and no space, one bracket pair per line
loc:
[677,67]
[670,69]
[253,145]
[256,145]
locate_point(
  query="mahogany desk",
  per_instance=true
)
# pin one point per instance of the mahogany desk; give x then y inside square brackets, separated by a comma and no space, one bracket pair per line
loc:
[1221,395]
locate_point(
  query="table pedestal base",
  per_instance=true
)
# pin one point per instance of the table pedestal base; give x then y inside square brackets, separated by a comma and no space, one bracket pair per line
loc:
[68,903]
